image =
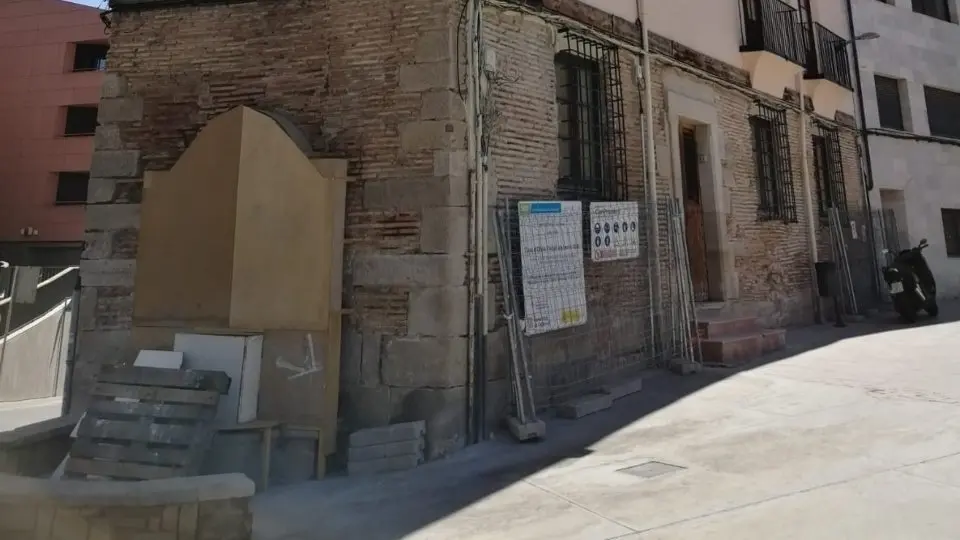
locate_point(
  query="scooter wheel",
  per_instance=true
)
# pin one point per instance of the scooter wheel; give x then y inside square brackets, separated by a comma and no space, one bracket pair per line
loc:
[933,309]
[907,314]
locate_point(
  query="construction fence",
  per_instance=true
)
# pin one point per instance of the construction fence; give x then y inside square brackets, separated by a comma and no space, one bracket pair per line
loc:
[859,248]
[584,305]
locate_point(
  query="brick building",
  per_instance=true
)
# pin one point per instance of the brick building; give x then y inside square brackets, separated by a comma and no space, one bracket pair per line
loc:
[383,86]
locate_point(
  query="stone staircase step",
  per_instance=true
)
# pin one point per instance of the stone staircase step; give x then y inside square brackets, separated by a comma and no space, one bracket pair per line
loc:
[712,328]
[739,349]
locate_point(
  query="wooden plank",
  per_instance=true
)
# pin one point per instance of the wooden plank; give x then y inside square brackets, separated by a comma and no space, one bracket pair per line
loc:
[194,379]
[85,448]
[250,426]
[165,395]
[136,409]
[98,428]
[118,470]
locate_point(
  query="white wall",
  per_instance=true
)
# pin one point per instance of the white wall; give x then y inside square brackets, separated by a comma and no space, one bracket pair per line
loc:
[923,51]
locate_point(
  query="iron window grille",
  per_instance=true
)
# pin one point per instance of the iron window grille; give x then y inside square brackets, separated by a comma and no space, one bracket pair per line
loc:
[72,188]
[951,230]
[771,146]
[943,112]
[590,127]
[828,170]
[889,102]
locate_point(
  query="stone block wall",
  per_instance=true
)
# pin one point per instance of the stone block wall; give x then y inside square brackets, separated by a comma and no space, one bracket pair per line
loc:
[373,82]
[199,508]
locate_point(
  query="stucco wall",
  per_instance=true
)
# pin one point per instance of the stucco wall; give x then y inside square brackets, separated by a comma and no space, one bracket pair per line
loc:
[922,51]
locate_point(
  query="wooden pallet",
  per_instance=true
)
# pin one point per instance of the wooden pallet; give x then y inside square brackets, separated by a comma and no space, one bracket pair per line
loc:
[146,424]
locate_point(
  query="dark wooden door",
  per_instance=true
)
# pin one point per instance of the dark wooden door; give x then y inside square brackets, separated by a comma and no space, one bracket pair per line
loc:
[693,214]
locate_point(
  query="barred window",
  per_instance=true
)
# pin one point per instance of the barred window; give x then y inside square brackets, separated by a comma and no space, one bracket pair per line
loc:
[943,112]
[72,188]
[938,9]
[771,146]
[828,170]
[951,230]
[590,132]
[889,102]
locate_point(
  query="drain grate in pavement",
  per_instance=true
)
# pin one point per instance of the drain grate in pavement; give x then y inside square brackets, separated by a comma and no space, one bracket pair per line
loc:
[651,469]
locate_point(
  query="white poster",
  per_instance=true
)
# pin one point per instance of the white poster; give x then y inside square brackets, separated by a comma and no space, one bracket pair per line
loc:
[551,257]
[615,231]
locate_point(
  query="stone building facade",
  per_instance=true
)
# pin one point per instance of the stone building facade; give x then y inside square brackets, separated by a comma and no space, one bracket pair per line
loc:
[381,85]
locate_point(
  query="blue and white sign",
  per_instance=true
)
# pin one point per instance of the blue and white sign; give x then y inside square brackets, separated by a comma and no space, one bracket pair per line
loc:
[615,228]
[551,257]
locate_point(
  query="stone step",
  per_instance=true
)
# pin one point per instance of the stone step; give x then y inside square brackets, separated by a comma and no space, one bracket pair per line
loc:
[717,327]
[739,349]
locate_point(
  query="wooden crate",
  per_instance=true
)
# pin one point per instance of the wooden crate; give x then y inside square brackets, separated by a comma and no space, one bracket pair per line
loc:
[146,423]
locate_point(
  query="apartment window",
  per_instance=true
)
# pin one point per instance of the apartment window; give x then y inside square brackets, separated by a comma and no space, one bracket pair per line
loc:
[889,102]
[828,170]
[771,146]
[590,132]
[90,56]
[80,120]
[72,188]
[951,230]
[938,9]
[943,112]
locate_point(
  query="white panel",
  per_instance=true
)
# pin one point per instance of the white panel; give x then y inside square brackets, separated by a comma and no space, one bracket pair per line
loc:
[217,353]
[250,384]
[159,359]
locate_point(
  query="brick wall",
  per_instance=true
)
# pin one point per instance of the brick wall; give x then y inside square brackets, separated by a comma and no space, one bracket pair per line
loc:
[771,258]
[370,81]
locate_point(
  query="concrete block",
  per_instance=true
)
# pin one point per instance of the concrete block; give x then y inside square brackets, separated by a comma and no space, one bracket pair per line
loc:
[97,245]
[438,311]
[406,431]
[385,465]
[431,135]
[120,109]
[107,272]
[425,362]
[372,345]
[427,76]
[87,310]
[624,388]
[377,269]
[442,409]
[114,86]
[529,431]
[115,164]
[101,190]
[107,137]
[684,369]
[445,230]
[583,406]
[413,193]
[450,163]
[111,217]
[413,447]
[442,105]
[436,45]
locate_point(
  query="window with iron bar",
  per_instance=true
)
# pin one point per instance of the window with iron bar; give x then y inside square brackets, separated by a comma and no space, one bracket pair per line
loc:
[771,148]
[590,128]
[828,170]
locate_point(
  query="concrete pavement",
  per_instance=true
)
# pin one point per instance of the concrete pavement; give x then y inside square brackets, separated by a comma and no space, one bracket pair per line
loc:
[848,434]
[20,413]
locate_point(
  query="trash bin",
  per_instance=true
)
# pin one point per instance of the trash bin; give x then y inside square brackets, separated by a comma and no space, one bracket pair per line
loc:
[826,278]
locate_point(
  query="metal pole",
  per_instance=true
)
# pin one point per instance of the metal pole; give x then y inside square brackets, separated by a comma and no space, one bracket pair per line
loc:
[6,324]
[650,158]
[808,197]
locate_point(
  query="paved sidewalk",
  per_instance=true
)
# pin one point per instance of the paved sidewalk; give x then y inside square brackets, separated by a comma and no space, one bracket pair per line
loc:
[849,434]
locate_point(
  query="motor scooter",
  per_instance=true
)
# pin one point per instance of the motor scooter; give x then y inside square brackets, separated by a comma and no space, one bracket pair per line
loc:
[911,283]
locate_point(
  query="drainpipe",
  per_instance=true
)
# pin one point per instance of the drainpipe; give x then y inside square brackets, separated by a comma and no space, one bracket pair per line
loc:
[71,347]
[808,196]
[649,159]
[867,179]
[476,363]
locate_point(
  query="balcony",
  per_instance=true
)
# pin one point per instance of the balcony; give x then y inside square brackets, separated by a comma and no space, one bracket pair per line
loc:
[771,44]
[772,26]
[828,59]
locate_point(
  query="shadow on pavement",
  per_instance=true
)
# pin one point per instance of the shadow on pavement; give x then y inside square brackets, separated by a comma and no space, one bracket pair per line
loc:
[392,506]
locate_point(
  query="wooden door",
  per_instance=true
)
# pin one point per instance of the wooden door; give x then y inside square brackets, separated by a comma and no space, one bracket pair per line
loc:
[693,214]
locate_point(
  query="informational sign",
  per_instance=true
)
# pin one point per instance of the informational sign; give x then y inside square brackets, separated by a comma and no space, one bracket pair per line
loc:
[551,257]
[615,231]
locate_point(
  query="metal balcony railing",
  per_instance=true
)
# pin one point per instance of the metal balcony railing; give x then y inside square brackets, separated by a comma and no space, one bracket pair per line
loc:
[772,26]
[830,61]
